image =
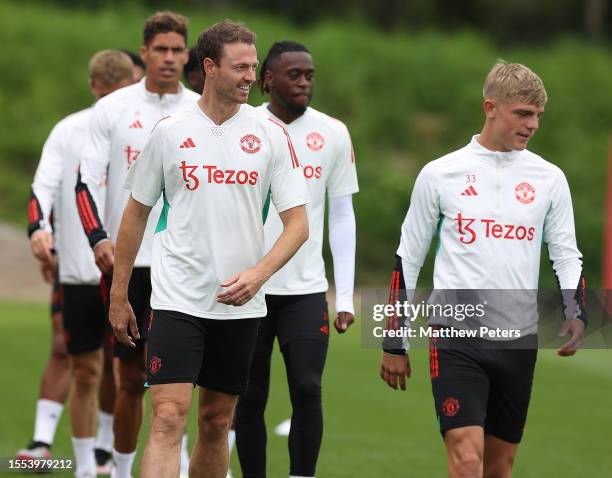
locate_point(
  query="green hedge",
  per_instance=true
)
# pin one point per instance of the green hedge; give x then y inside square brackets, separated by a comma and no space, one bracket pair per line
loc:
[407,99]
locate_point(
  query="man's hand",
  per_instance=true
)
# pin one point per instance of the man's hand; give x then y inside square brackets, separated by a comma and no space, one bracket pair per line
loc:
[395,369]
[122,317]
[574,327]
[343,321]
[104,252]
[41,243]
[47,270]
[242,287]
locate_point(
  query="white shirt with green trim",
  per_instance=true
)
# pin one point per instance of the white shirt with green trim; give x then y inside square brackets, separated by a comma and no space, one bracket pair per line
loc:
[324,147]
[215,181]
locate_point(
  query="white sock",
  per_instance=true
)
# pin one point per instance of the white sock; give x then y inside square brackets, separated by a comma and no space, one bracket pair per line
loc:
[48,414]
[105,437]
[84,456]
[123,464]
[184,455]
[231,439]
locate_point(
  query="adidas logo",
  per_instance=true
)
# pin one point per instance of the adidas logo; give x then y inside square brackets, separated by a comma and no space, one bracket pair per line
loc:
[136,124]
[470,192]
[188,143]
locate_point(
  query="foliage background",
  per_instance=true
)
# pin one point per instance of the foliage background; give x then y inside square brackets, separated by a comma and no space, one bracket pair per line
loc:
[409,91]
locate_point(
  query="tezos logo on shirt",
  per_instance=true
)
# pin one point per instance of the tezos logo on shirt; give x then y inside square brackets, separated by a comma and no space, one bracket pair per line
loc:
[214,175]
[492,229]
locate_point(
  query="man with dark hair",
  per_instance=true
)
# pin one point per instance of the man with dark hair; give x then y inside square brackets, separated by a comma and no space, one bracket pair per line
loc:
[193,72]
[139,66]
[295,295]
[83,312]
[120,126]
[215,164]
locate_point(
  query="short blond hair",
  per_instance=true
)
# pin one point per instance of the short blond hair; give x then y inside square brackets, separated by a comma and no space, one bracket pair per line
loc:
[110,67]
[514,82]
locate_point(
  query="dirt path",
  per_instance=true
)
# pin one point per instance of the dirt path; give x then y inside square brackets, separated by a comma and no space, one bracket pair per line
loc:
[20,279]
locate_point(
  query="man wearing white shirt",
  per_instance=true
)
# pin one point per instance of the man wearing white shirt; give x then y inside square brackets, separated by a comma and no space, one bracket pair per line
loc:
[295,295]
[214,164]
[492,203]
[120,126]
[83,311]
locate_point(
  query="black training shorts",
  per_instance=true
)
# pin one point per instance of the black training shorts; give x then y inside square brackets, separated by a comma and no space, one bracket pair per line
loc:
[83,317]
[212,353]
[139,296]
[482,383]
[292,317]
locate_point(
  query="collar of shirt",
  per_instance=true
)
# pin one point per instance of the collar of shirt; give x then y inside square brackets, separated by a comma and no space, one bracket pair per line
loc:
[165,99]
[505,157]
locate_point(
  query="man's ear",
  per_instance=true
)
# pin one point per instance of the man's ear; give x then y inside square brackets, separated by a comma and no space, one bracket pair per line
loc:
[490,108]
[143,54]
[269,79]
[209,67]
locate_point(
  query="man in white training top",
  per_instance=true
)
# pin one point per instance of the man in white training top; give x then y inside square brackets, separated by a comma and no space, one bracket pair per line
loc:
[120,126]
[493,203]
[295,295]
[213,164]
[83,310]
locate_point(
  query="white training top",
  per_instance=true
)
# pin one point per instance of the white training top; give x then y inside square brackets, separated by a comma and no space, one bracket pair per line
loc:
[54,182]
[215,181]
[120,125]
[324,147]
[492,210]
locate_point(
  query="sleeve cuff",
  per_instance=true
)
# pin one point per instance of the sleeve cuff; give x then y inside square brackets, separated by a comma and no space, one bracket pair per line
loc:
[345,304]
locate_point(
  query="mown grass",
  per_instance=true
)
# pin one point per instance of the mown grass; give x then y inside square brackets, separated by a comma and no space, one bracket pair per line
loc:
[370,430]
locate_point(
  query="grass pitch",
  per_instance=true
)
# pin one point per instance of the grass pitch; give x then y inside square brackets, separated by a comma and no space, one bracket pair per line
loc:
[370,430]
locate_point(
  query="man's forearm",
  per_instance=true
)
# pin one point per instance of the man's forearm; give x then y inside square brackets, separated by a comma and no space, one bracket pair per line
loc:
[295,233]
[131,231]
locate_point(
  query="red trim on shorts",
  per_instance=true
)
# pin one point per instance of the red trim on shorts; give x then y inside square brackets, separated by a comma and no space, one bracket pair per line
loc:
[434,367]
[103,290]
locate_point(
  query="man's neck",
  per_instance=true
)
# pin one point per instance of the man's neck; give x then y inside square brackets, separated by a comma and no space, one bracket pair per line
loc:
[487,140]
[161,90]
[282,113]
[218,110]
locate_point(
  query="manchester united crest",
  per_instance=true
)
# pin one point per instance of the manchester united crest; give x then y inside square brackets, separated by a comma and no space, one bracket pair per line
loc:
[450,407]
[525,193]
[155,364]
[250,143]
[315,141]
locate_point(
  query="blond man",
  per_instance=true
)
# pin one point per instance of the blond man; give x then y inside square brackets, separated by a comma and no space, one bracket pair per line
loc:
[83,310]
[492,203]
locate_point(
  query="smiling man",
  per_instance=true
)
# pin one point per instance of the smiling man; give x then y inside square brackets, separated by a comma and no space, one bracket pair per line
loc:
[214,163]
[120,126]
[295,295]
[493,203]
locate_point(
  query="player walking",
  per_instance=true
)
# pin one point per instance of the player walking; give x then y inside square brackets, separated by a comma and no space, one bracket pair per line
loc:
[214,165]
[295,295]
[83,312]
[493,203]
[120,126]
